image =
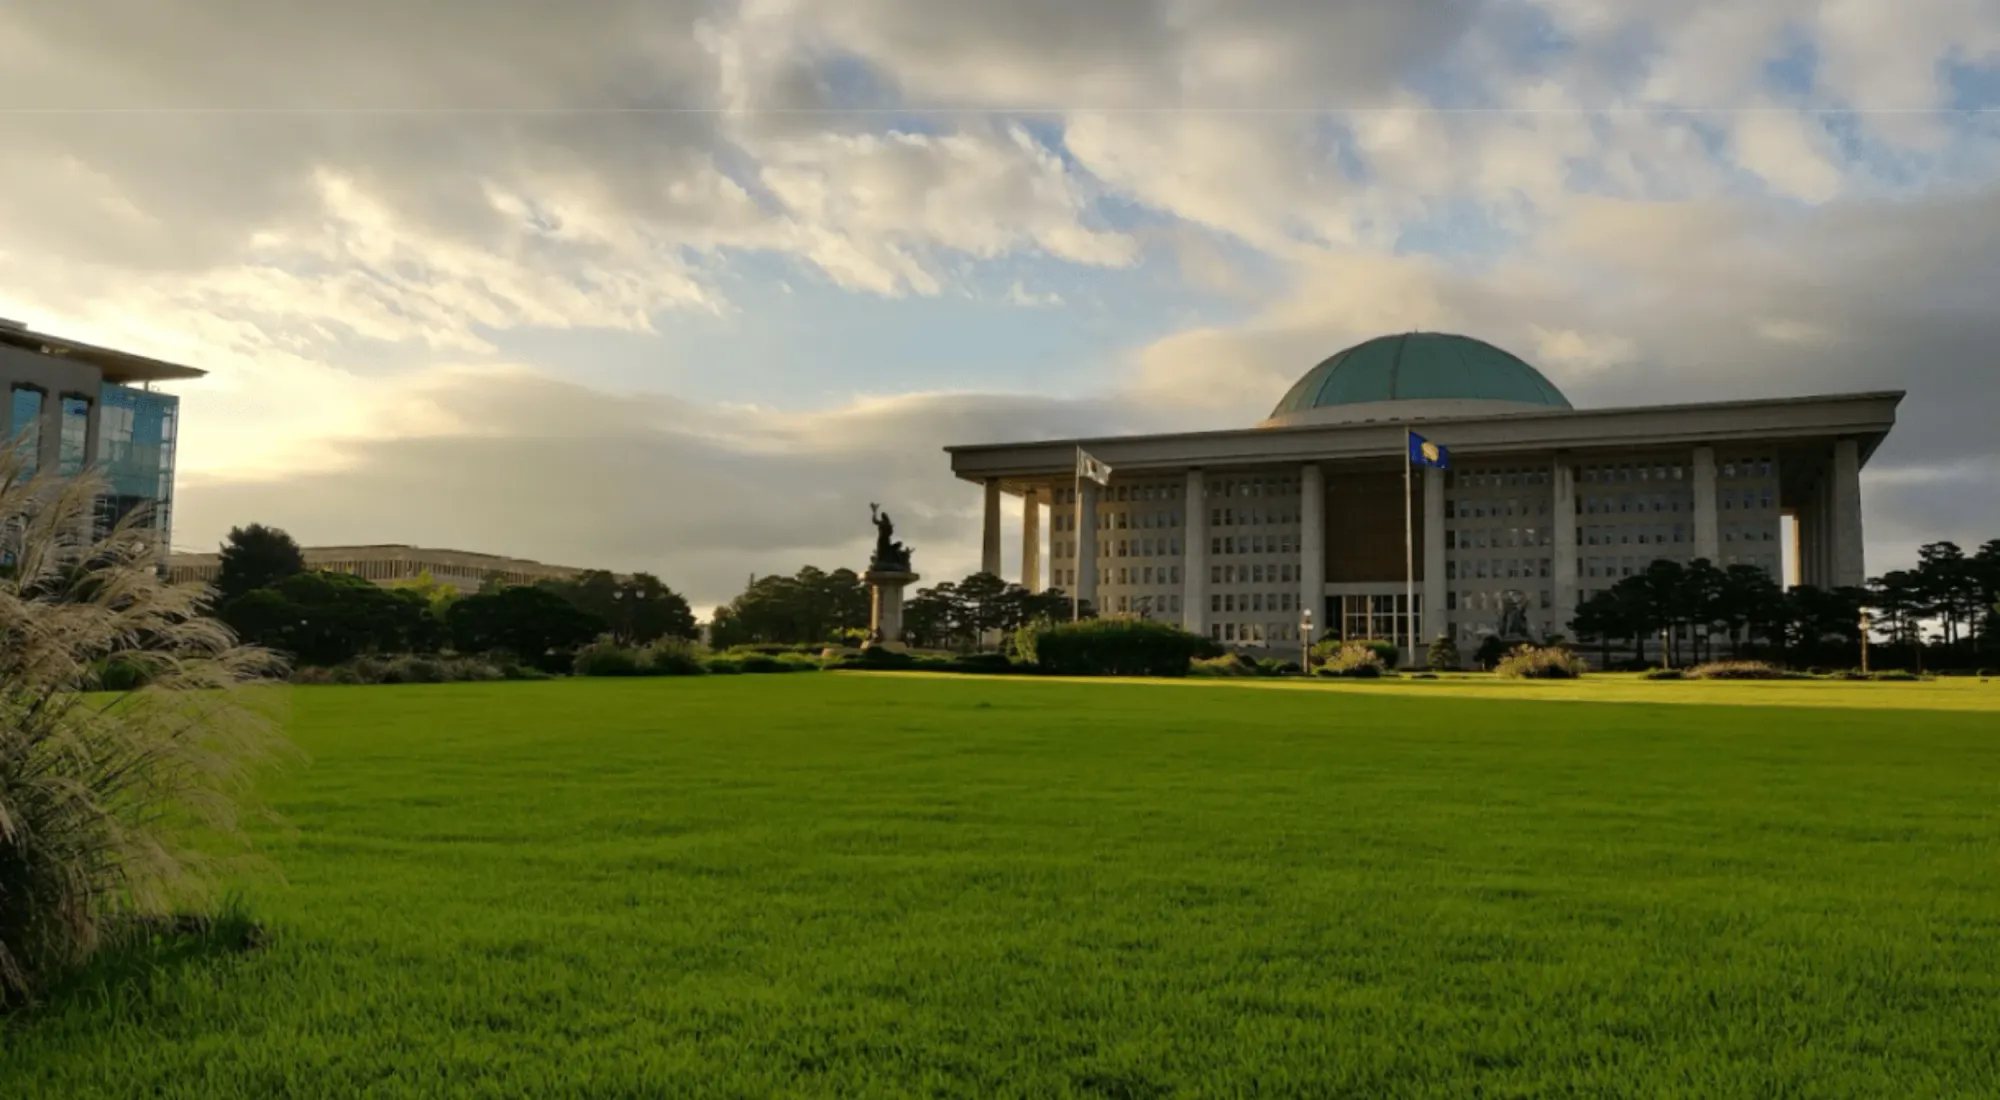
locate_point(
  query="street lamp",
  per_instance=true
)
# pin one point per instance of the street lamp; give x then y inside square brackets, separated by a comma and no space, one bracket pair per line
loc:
[1305,641]
[619,596]
[1866,625]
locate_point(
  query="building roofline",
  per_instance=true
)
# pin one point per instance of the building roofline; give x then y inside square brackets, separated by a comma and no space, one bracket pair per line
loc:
[118,367]
[1526,414]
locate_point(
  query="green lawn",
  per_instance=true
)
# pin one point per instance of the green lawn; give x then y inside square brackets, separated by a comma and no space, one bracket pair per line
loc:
[900,885]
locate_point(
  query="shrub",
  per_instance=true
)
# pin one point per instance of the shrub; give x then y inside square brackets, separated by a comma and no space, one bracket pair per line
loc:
[1117,647]
[1389,652]
[761,662]
[1742,670]
[605,658]
[1424,676]
[1528,662]
[1896,675]
[991,664]
[100,799]
[1271,666]
[1443,655]
[877,658]
[671,657]
[1218,668]
[799,662]
[1357,660]
[1492,649]
[122,673]
[723,666]
[1665,674]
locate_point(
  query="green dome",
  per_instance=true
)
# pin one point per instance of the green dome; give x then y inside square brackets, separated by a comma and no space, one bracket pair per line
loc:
[1420,366]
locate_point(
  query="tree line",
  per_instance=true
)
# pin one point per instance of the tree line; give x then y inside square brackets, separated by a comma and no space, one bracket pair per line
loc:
[1691,611]
[265,592]
[815,606]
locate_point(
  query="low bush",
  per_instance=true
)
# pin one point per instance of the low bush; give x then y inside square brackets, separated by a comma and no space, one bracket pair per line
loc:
[1742,670]
[1271,666]
[123,674]
[986,663]
[1529,662]
[1354,660]
[1897,676]
[1443,655]
[799,662]
[672,657]
[1389,653]
[605,658]
[761,662]
[723,666]
[1118,647]
[371,671]
[1218,668]
[1665,674]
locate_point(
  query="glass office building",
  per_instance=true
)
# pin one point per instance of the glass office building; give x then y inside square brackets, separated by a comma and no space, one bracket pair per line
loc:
[70,407]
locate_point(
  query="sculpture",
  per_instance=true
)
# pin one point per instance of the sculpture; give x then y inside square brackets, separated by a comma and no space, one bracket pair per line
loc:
[890,556]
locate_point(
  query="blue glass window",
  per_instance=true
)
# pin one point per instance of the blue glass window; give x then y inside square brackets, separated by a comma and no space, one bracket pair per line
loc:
[26,432]
[75,434]
[135,452]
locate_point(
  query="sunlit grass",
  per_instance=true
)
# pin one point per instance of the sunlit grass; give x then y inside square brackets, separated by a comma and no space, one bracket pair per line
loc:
[904,885]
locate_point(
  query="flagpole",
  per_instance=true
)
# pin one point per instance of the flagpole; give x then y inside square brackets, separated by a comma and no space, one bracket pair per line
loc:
[1076,502]
[1409,554]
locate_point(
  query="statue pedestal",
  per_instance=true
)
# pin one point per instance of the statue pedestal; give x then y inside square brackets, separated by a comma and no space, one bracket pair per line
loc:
[885,606]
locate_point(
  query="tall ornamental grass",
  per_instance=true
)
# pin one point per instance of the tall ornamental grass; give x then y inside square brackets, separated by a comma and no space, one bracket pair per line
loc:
[100,791]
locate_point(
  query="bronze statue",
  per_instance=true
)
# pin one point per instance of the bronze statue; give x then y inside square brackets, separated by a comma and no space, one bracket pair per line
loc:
[890,556]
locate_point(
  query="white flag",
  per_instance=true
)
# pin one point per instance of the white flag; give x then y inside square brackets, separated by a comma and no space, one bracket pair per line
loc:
[1091,468]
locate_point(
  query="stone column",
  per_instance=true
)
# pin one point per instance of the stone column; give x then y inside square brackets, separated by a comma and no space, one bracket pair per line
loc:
[1563,515]
[1194,563]
[1031,540]
[1844,519]
[1312,545]
[1707,528]
[989,548]
[885,605]
[1086,543]
[1434,621]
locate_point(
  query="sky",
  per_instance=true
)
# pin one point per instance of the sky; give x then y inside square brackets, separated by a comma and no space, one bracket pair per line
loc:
[682,286]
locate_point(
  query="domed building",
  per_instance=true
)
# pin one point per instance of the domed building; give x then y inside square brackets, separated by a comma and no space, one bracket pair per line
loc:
[1328,516]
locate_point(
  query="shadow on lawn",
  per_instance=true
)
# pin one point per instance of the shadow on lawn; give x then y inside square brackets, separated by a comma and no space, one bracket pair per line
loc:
[136,956]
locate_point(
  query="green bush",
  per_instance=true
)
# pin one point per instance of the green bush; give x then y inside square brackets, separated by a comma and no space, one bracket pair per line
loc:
[123,674]
[723,666]
[1218,668]
[763,662]
[1443,655]
[605,658]
[1897,676]
[672,657]
[799,662]
[406,670]
[1117,647]
[1490,652]
[1743,670]
[1354,660]
[1528,662]
[989,664]
[1271,666]
[1386,651]
[1665,674]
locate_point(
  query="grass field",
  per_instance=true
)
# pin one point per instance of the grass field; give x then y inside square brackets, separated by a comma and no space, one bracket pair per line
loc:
[853,885]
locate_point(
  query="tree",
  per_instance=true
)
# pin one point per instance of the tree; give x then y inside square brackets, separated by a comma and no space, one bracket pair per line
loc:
[640,609]
[1748,603]
[532,623]
[256,557]
[111,808]
[324,618]
[1443,655]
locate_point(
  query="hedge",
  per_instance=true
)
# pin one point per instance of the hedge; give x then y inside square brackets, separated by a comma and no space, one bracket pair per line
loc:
[1118,647]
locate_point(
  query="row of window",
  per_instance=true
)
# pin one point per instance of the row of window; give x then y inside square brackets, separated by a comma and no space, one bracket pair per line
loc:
[1475,508]
[1280,572]
[1498,538]
[1494,600]
[1120,494]
[1250,517]
[72,441]
[1121,521]
[1497,569]
[1122,548]
[1231,602]
[1254,487]
[1502,478]
[1254,633]
[1147,605]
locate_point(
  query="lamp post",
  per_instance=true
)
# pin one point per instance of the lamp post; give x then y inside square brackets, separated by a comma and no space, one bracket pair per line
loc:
[1306,641]
[1866,624]
[626,599]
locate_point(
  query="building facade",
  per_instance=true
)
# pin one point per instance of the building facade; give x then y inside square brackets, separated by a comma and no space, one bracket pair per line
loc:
[1235,534]
[71,405]
[392,564]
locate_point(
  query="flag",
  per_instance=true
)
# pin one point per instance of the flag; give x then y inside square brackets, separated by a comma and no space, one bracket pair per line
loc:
[1425,453]
[1091,468]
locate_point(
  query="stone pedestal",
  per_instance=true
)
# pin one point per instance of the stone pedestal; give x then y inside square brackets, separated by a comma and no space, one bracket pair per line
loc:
[885,606]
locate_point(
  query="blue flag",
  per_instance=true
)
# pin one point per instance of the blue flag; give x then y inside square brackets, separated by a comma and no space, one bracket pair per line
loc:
[1425,453]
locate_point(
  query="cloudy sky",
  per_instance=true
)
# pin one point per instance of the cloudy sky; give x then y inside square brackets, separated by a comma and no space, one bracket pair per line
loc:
[683,285]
